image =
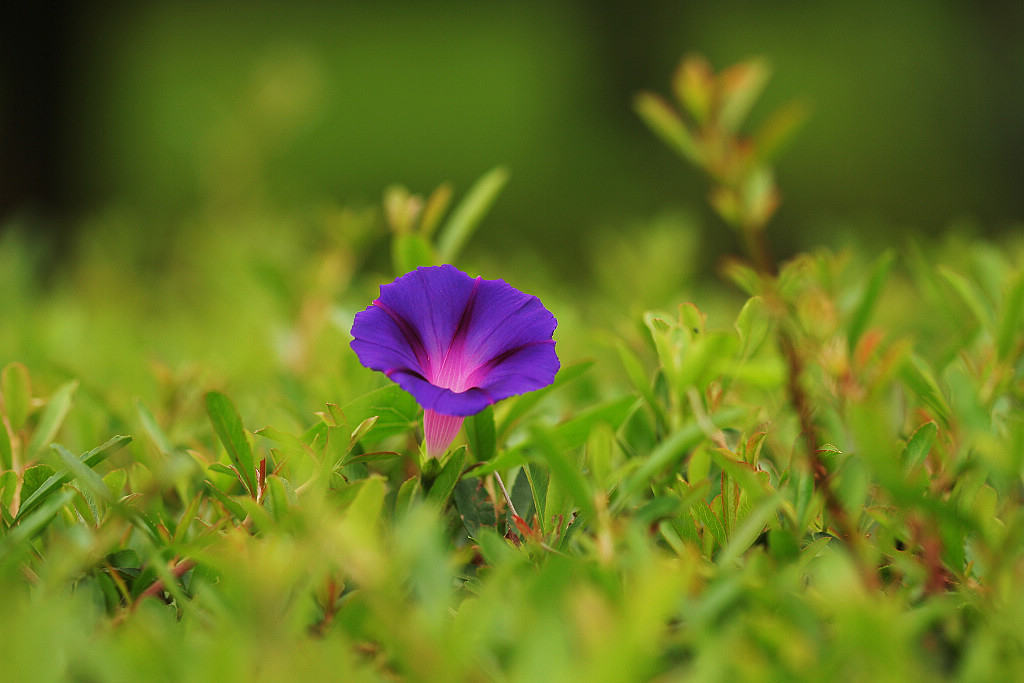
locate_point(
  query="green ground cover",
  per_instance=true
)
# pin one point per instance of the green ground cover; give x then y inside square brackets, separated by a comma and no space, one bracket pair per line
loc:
[799,471]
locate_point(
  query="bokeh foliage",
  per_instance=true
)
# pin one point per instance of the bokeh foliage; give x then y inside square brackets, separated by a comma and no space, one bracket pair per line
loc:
[809,472]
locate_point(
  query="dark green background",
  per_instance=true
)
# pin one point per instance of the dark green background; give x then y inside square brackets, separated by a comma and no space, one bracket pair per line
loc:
[172,108]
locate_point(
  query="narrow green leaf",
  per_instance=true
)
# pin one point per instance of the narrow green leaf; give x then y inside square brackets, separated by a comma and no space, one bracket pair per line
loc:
[466,216]
[573,432]
[473,505]
[971,295]
[539,479]
[702,513]
[395,409]
[281,496]
[669,452]
[919,444]
[869,297]
[409,492]
[221,468]
[496,550]
[505,460]
[32,525]
[360,431]
[8,485]
[521,405]
[600,446]
[58,478]
[521,494]
[751,526]
[775,134]
[409,252]
[337,416]
[187,517]
[918,376]
[442,487]
[83,474]
[32,478]
[481,434]
[1011,319]
[667,124]
[694,85]
[16,386]
[6,448]
[741,85]
[745,475]
[752,326]
[232,505]
[153,429]
[51,419]
[639,379]
[228,426]
[435,207]
[564,468]
[376,456]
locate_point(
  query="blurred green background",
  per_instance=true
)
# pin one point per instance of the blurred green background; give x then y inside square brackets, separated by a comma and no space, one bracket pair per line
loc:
[167,109]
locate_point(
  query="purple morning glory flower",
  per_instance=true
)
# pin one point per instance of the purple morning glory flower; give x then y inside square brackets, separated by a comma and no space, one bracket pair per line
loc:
[457,344]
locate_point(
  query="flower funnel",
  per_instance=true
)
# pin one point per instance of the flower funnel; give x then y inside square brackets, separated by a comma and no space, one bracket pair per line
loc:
[457,344]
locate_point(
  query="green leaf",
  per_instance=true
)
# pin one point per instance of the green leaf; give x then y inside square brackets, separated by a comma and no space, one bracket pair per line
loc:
[971,295]
[481,434]
[465,217]
[775,134]
[495,550]
[750,527]
[58,478]
[522,497]
[395,409]
[752,326]
[600,446]
[32,479]
[84,474]
[573,432]
[741,85]
[8,487]
[919,444]
[280,496]
[703,513]
[221,468]
[539,479]
[361,429]
[409,492]
[443,486]
[232,505]
[435,207]
[16,386]
[639,379]
[868,299]
[32,525]
[669,452]
[6,448]
[565,469]
[520,405]
[409,252]
[917,375]
[51,419]
[473,505]
[694,85]
[505,460]
[667,124]
[228,426]
[1011,320]
[153,430]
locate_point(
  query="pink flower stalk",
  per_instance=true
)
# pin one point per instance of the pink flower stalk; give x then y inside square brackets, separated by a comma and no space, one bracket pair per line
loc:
[457,344]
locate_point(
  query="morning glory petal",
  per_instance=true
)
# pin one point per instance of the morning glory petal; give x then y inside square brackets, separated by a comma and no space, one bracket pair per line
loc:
[456,343]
